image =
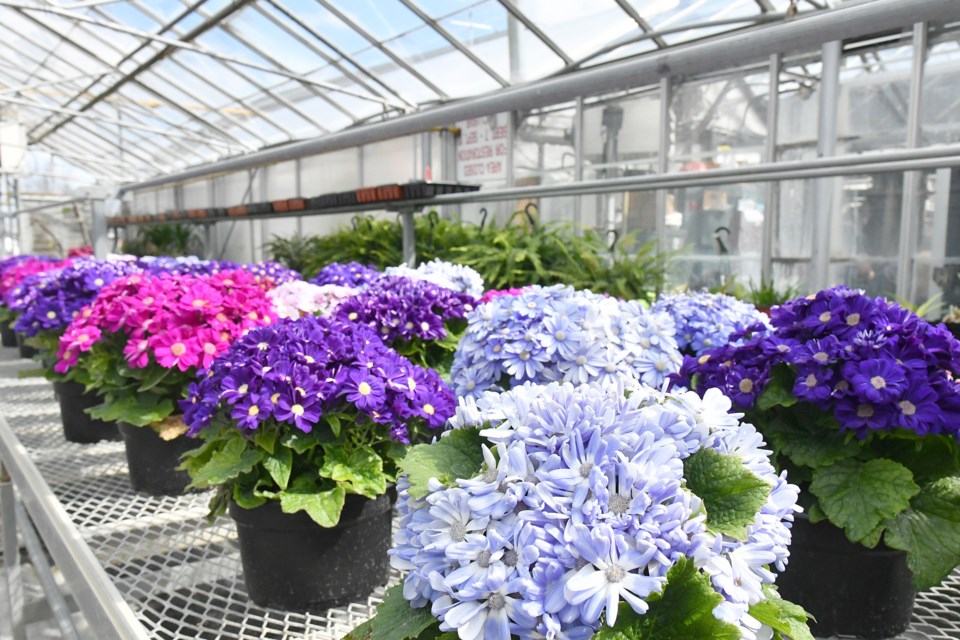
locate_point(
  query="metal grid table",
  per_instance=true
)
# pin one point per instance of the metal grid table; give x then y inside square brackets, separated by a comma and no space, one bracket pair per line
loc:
[179,575]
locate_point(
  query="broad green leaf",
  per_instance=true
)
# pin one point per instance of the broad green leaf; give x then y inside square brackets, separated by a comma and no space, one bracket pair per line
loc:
[396,620]
[154,377]
[301,442]
[361,469]
[138,410]
[809,443]
[227,463]
[684,611]
[779,391]
[246,498]
[930,533]
[323,506]
[279,465]
[782,615]
[815,513]
[455,455]
[859,496]
[266,439]
[732,495]
[334,423]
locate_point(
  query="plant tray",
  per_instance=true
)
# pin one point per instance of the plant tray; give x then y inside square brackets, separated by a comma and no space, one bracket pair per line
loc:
[423,189]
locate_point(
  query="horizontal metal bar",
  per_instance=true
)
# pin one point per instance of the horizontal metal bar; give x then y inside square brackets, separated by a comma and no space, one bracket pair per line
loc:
[99,600]
[724,51]
[50,205]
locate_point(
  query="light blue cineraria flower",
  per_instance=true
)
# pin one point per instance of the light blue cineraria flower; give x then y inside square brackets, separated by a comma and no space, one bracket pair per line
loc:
[548,334]
[707,320]
[582,504]
[449,275]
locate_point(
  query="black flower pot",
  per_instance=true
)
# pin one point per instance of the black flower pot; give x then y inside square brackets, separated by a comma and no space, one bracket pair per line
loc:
[290,562]
[78,426]
[7,337]
[153,461]
[851,590]
[26,351]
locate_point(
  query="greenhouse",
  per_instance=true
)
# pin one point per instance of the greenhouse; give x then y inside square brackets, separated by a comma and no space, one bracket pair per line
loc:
[480,319]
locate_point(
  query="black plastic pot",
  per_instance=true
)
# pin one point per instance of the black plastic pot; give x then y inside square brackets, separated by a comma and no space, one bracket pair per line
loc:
[290,562]
[850,589]
[153,461]
[77,425]
[7,337]
[26,351]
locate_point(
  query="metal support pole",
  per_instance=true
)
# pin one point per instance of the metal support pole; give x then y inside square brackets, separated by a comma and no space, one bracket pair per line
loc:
[910,209]
[663,160]
[98,228]
[426,156]
[298,167]
[825,188]
[11,556]
[771,203]
[41,567]
[578,122]
[409,238]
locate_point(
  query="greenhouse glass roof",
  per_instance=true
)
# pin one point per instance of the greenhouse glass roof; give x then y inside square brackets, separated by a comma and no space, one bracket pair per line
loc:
[136,88]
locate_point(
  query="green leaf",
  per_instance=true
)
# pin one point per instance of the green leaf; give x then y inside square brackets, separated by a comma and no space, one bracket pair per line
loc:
[810,443]
[154,377]
[323,506]
[138,410]
[395,620]
[360,469]
[302,442]
[266,438]
[779,391]
[334,423]
[246,498]
[455,455]
[930,533]
[684,611]
[815,513]
[782,615]
[732,495]
[859,496]
[279,465]
[227,463]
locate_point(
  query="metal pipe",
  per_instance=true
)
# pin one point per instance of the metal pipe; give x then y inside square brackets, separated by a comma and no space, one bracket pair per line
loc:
[578,152]
[824,190]
[41,566]
[772,195]
[696,58]
[911,180]
[11,555]
[409,238]
[663,159]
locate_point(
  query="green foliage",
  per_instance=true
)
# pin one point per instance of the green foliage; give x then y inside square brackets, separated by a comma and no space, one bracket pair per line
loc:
[456,455]
[397,620]
[293,253]
[785,618]
[766,294]
[519,253]
[683,611]
[731,494]
[165,240]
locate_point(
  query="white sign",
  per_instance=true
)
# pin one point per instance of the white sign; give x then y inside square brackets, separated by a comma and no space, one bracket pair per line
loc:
[482,149]
[13,145]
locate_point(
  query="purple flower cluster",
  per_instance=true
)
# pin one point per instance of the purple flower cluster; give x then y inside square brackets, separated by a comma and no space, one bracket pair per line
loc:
[869,362]
[193,266]
[707,320]
[55,298]
[295,371]
[400,309]
[583,503]
[351,274]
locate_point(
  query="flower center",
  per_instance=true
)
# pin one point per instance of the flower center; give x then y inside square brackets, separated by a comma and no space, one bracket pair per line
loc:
[353,315]
[660,365]
[746,385]
[209,348]
[428,409]
[364,389]
[618,504]
[510,558]
[178,349]
[98,282]
[496,602]
[560,336]
[615,573]
[408,326]
[274,398]
[242,388]
[853,319]
[484,559]
[199,303]
[908,408]
[585,469]
[309,359]
[458,532]
[82,338]
[297,410]
[783,348]
[524,355]
[496,349]
[811,380]
[865,411]
[610,368]
[821,357]
[471,385]
[825,317]
[51,314]
[704,359]
[253,410]
[581,360]
[490,475]
[425,326]
[877,382]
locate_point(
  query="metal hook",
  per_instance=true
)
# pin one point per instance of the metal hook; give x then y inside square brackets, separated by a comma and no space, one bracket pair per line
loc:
[616,239]
[530,214]
[721,247]
[483,217]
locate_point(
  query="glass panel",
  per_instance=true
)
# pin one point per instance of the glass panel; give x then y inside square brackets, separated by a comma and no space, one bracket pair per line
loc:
[579,28]
[543,154]
[940,111]
[435,58]
[262,33]
[388,161]
[874,92]
[383,19]
[701,12]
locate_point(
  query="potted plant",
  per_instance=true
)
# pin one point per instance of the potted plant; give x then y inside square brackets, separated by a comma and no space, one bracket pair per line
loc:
[141,343]
[47,310]
[7,337]
[456,277]
[15,285]
[860,402]
[532,518]
[303,423]
[544,334]
[952,320]
[421,320]
[706,320]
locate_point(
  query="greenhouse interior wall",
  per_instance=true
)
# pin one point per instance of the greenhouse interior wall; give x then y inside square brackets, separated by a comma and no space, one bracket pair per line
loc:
[750,231]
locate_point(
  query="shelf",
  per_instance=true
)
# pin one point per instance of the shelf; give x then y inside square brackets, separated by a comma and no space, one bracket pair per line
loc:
[143,567]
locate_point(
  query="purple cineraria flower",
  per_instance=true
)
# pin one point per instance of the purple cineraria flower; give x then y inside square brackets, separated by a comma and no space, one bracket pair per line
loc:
[876,381]
[708,320]
[351,274]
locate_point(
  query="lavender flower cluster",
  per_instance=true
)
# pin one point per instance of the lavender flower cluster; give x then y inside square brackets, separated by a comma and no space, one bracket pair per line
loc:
[194,266]
[546,334]
[295,371]
[350,274]
[52,299]
[582,503]
[706,320]
[400,309]
[867,361]
[456,277]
